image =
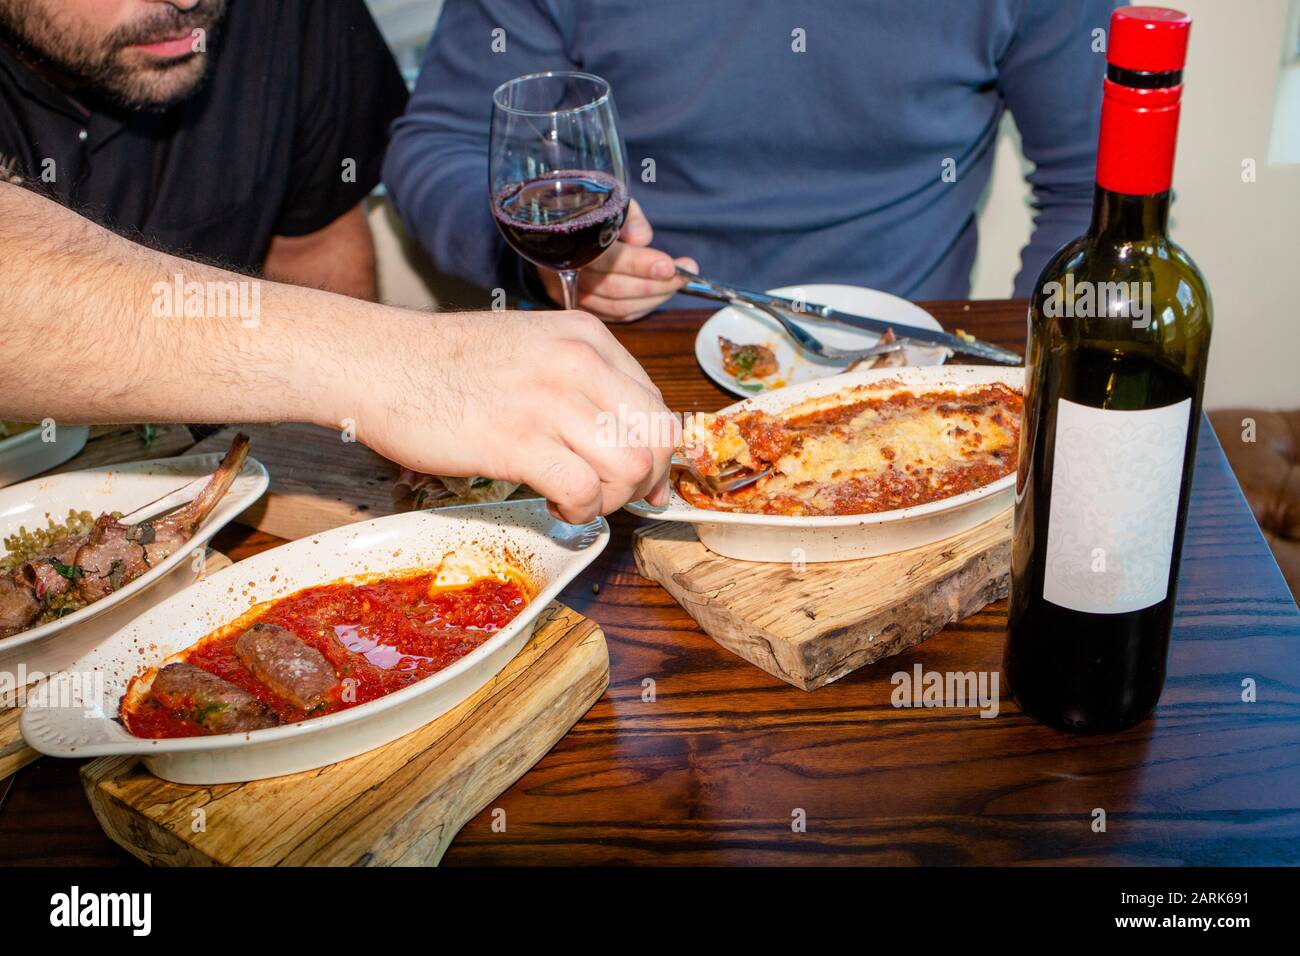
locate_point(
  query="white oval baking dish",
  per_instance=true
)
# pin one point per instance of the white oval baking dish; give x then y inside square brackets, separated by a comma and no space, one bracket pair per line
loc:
[521,535]
[55,644]
[789,539]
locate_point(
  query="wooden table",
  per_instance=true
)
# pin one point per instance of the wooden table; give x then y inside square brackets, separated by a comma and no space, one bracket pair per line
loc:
[716,764]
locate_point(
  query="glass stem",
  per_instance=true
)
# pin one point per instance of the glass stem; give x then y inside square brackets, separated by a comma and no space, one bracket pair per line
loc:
[569,279]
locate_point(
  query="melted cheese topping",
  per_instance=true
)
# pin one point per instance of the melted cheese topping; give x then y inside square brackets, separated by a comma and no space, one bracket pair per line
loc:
[859,451]
[712,442]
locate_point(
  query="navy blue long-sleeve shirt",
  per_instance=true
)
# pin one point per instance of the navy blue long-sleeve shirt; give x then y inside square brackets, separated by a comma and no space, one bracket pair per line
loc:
[774,167]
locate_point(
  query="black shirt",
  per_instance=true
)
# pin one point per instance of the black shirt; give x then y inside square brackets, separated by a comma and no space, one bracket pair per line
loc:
[296,91]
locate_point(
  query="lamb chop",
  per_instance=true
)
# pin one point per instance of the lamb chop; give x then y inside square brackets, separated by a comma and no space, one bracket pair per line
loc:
[27,589]
[41,573]
[82,569]
[18,605]
[117,553]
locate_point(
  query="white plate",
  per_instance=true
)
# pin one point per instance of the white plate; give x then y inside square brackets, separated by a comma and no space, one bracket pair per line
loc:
[27,453]
[787,539]
[58,722]
[111,488]
[747,326]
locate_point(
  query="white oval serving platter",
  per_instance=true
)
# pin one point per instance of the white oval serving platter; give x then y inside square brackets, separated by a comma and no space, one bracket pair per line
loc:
[121,488]
[28,453]
[748,326]
[76,718]
[785,538]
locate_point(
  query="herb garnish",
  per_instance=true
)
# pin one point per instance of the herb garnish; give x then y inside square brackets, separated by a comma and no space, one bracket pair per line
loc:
[69,571]
[744,359]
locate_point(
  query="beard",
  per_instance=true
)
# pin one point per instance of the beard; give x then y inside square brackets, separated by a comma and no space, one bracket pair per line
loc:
[109,64]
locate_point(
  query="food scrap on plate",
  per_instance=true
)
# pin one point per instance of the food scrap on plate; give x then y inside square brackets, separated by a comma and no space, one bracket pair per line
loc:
[888,360]
[744,362]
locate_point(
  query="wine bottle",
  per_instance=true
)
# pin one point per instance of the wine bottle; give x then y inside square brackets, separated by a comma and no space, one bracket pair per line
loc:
[1119,331]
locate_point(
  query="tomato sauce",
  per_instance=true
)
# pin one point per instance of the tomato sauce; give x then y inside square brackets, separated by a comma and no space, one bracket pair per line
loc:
[380,636]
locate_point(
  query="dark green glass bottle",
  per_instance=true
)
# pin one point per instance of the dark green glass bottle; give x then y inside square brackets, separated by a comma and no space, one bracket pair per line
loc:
[1119,333]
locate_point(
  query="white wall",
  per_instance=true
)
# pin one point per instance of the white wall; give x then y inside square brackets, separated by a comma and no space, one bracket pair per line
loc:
[1243,235]
[406,25]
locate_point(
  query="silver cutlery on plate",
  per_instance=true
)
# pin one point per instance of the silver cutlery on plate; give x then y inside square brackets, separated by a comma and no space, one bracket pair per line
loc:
[721,291]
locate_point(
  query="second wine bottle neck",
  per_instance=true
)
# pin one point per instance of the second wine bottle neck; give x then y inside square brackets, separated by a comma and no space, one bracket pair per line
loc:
[1120,217]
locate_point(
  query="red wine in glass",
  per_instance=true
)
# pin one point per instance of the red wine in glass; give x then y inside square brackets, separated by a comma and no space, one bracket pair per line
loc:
[557,173]
[564,219]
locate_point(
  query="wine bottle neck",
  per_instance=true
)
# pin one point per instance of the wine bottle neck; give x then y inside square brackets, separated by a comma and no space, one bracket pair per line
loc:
[1135,157]
[1120,217]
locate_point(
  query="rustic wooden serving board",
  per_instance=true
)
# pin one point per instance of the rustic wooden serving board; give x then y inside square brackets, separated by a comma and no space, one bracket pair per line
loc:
[318,481]
[14,752]
[399,805]
[812,626]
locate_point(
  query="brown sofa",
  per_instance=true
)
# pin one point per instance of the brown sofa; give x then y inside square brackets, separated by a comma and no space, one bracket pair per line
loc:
[1269,471]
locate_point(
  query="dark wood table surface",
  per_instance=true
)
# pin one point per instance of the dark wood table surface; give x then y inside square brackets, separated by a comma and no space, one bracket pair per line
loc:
[715,768]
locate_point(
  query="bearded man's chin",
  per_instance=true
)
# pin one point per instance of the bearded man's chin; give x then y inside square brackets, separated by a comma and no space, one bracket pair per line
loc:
[156,89]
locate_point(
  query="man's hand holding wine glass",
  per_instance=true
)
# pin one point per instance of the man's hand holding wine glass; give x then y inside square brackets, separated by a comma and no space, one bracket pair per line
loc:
[630,279]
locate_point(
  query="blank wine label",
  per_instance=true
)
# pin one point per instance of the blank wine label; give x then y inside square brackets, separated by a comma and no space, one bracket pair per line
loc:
[1115,481]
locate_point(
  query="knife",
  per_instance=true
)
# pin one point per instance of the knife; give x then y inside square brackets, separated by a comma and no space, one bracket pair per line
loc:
[712,289]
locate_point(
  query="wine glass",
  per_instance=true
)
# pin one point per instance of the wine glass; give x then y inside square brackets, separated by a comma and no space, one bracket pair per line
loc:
[557,173]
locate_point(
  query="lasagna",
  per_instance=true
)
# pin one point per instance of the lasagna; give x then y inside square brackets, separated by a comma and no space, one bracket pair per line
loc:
[862,450]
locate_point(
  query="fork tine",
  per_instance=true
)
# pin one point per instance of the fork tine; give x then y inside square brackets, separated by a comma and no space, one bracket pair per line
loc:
[723,486]
[729,479]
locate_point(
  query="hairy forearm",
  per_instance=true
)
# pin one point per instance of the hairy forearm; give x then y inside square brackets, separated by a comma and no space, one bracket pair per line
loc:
[340,258]
[91,330]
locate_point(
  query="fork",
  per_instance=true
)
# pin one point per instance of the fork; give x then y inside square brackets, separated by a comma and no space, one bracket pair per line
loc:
[729,479]
[173,500]
[802,337]
[810,343]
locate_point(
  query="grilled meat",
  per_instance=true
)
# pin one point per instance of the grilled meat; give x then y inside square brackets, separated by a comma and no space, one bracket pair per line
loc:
[216,705]
[18,605]
[83,569]
[49,573]
[291,668]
